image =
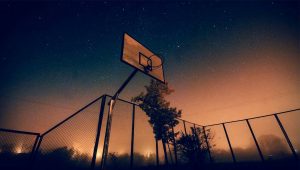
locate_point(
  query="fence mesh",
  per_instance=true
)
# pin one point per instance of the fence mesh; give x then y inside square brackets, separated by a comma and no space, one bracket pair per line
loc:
[120,138]
[15,149]
[270,139]
[242,142]
[220,151]
[144,141]
[179,128]
[291,124]
[205,142]
[189,126]
[71,144]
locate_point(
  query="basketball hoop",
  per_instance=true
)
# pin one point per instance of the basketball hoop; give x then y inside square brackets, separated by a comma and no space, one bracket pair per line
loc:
[148,64]
[142,59]
[138,56]
[160,64]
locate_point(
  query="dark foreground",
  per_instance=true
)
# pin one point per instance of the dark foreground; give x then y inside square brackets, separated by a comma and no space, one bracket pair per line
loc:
[276,165]
[237,166]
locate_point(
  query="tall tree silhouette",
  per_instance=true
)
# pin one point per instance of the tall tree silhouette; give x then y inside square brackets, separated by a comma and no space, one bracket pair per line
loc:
[162,115]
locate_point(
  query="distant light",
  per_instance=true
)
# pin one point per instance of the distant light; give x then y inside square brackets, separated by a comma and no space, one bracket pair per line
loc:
[99,155]
[18,149]
[121,151]
[148,154]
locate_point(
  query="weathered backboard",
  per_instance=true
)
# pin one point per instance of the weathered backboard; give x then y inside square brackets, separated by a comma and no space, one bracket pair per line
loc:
[138,56]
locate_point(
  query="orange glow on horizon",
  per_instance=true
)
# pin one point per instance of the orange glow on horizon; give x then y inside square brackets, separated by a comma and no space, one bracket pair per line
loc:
[256,83]
[262,85]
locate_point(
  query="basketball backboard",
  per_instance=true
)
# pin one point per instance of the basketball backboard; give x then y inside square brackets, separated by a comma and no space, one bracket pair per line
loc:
[138,56]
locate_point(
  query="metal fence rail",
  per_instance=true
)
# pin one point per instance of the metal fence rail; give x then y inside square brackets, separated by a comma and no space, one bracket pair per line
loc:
[77,141]
[276,117]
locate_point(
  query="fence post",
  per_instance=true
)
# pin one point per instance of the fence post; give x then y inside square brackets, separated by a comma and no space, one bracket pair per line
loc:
[184,127]
[197,137]
[132,136]
[175,145]
[34,146]
[207,144]
[98,132]
[36,150]
[256,143]
[232,154]
[286,137]
[33,152]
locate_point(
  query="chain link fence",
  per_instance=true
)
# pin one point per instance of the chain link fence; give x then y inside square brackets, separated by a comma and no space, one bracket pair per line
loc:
[77,141]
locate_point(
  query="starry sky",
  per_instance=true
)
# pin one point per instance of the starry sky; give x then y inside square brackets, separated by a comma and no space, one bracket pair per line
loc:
[225,60]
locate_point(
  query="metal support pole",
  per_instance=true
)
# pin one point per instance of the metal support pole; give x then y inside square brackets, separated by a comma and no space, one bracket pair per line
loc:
[132,137]
[231,150]
[184,127]
[34,146]
[286,137]
[109,118]
[33,150]
[256,143]
[207,144]
[106,138]
[37,150]
[175,146]
[39,144]
[98,131]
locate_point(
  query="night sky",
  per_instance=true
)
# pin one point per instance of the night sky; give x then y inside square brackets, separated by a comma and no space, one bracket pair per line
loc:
[225,60]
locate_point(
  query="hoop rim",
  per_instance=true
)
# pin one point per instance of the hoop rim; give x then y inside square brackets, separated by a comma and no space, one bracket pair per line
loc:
[157,66]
